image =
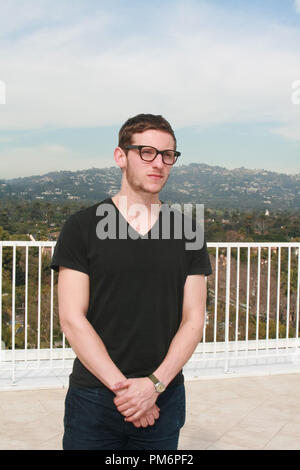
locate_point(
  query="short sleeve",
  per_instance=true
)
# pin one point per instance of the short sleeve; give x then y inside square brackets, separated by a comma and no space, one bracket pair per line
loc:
[70,250]
[199,262]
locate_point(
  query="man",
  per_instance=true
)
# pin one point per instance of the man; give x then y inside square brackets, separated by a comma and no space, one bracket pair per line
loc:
[132,307]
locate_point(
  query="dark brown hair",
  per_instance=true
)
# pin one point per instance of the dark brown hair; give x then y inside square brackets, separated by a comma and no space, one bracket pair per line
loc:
[141,123]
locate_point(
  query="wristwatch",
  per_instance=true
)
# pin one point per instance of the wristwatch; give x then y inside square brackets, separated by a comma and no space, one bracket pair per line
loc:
[159,386]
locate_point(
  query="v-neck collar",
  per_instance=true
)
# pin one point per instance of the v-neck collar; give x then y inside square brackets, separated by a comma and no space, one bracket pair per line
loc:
[145,235]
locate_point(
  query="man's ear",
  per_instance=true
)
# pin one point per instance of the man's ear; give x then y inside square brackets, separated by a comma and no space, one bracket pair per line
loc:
[120,157]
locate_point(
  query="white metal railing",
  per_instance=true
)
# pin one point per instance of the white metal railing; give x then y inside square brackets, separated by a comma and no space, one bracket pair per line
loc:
[252,309]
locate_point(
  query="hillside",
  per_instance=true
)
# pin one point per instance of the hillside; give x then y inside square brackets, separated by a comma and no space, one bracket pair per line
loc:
[215,186]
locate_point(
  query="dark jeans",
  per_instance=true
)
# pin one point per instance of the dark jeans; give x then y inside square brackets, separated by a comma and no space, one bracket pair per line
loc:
[92,422]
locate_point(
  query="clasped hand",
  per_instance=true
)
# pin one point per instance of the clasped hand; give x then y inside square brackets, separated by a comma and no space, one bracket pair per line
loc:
[135,399]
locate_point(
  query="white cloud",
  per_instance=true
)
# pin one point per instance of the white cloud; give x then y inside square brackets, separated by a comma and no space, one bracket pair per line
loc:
[198,65]
[290,131]
[297,5]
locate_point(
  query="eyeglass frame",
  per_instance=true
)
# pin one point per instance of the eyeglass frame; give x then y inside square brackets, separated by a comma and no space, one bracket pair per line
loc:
[139,147]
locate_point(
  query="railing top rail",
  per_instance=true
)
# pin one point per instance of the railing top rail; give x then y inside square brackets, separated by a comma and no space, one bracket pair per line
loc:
[254,244]
[27,243]
[209,244]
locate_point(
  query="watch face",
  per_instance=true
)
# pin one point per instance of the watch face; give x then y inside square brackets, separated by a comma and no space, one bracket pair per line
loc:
[160,387]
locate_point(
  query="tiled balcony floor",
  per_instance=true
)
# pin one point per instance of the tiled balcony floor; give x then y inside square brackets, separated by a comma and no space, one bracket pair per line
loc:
[256,412]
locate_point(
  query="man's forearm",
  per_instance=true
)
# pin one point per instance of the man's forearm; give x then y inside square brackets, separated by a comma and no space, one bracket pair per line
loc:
[91,351]
[181,349]
[190,331]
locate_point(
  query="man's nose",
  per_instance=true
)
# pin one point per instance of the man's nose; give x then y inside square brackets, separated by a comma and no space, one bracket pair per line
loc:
[158,161]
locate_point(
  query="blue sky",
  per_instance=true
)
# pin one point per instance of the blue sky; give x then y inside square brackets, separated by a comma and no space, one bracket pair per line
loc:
[221,71]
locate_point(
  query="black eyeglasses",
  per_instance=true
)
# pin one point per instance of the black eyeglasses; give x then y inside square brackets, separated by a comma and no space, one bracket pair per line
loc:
[148,154]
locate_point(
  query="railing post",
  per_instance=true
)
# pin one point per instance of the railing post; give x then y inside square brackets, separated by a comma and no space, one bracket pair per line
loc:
[298,296]
[1,303]
[227,307]
[13,316]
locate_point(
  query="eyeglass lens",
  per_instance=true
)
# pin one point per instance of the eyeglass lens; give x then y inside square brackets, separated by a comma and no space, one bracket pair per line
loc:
[148,153]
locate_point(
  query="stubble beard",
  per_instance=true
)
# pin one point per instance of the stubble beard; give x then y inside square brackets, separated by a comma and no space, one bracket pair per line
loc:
[140,186]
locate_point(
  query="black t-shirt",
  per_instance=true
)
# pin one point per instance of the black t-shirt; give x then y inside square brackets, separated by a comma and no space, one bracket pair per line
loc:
[136,285]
